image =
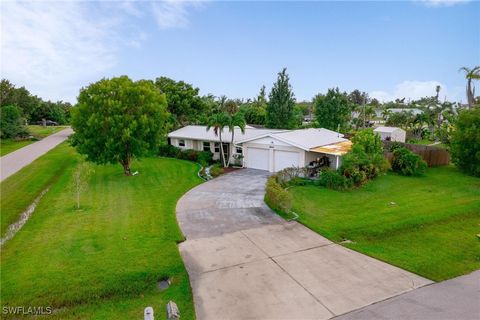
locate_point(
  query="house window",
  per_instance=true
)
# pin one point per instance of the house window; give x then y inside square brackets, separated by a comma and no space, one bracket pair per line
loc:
[217,147]
[206,146]
[239,150]
[181,143]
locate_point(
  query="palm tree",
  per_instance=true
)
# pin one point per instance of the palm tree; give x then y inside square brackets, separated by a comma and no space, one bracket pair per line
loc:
[233,121]
[437,90]
[471,74]
[218,121]
[385,113]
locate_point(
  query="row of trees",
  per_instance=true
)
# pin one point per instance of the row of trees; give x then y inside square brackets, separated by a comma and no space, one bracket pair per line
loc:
[32,108]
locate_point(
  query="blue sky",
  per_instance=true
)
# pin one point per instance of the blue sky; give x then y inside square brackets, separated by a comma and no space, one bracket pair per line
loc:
[389,49]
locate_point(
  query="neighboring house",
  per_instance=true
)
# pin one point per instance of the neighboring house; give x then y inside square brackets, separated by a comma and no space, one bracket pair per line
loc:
[268,149]
[391,133]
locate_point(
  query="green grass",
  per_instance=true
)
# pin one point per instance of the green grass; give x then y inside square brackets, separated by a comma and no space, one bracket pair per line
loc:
[9,145]
[41,132]
[430,229]
[38,132]
[19,190]
[104,261]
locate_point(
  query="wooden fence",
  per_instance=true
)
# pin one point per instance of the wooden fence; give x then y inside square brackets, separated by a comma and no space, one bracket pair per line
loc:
[433,156]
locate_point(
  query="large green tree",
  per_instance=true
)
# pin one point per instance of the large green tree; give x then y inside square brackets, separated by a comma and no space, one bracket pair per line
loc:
[465,143]
[118,119]
[11,122]
[184,103]
[280,107]
[333,110]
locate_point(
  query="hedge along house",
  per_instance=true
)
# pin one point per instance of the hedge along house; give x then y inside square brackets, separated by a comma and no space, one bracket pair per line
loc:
[268,149]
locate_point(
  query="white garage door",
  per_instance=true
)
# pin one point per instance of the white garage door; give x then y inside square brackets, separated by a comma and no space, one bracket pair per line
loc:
[257,158]
[285,159]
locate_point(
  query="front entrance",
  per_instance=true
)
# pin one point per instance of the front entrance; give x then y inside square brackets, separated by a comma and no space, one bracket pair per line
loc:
[226,150]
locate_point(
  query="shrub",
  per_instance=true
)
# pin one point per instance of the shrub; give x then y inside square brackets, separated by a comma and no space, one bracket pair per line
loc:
[465,145]
[360,166]
[284,177]
[216,170]
[276,197]
[205,158]
[334,180]
[202,157]
[11,122]
[189,154]
[167,150]
[408,163]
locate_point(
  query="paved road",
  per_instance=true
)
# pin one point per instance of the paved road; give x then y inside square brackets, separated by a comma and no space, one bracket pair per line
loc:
[455,299]
[20,158]
[245,262]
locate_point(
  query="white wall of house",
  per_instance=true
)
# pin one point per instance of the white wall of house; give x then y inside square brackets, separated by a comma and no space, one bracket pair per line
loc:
[213,146]
[264,153]
[272,155]
[396,135]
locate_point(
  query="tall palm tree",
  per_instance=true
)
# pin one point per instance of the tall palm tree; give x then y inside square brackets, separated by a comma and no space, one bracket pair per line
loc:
[235,120]
[471,74]
[218,121]
[437,90]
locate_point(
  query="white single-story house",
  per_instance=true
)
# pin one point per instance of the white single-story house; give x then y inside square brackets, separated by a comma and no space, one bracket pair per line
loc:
[391,133]
[268,149]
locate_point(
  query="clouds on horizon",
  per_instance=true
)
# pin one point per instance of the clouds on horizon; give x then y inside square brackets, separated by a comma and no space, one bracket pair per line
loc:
[53,48]
[442,3]
[414,90]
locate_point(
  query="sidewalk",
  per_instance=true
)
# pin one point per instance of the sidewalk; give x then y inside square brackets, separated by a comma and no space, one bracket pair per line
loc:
[14,161]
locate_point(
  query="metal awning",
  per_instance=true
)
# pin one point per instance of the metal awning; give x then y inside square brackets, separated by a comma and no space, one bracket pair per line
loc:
[336,149]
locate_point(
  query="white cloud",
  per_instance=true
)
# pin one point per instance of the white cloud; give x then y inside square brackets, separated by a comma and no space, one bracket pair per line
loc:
[53,48]
[171,14]
[50,47]
[442,3]
[415,90]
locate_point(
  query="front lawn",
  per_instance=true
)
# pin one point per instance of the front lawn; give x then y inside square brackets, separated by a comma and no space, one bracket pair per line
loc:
[103,262]
[38,132]
[427,225]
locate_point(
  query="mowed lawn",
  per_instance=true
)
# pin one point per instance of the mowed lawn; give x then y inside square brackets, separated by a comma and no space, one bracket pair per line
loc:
[38,132]
[103,262]
[427,225]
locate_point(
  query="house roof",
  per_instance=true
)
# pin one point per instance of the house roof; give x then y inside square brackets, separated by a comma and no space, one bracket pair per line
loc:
[201,133]
[305,139]
[387,129]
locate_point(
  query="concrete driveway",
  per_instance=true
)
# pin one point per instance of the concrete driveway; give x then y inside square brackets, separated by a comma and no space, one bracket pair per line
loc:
[245,262]
[457,298]
[16,160]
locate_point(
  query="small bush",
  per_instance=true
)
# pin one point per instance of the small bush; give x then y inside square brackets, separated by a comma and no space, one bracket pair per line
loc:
[465,144]
[216,170]
[202,157]
[276,197]
[334,180]
[205,158]
[11,123]
[408,163]
[167,150]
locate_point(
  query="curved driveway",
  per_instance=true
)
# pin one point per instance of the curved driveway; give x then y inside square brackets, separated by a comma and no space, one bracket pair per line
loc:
[16,160]
[245,262]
